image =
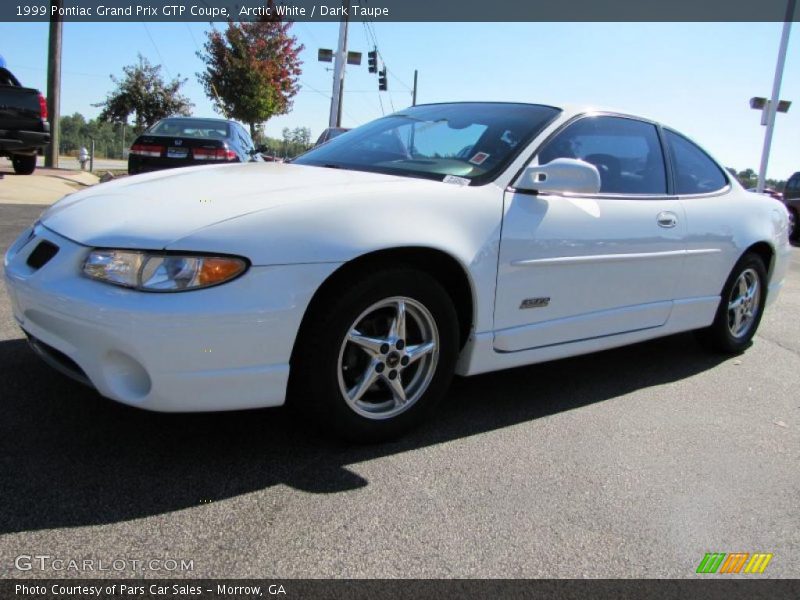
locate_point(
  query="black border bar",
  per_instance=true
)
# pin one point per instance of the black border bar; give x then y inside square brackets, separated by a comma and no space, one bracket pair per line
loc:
[705,587]
[403,10]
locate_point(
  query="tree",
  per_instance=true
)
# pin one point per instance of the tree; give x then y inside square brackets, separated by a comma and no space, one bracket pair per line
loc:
[302,136]
[298,135]
[77,132]
[72,131]
[749,179]
[295,141]
[143,93]
[252,70]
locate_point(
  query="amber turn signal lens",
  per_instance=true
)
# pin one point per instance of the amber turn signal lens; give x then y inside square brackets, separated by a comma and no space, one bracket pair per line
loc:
[217,270]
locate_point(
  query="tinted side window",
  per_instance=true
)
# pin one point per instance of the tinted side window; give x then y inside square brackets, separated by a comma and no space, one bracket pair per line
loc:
[626,152]
[248,141]
[240,134]
[695,172]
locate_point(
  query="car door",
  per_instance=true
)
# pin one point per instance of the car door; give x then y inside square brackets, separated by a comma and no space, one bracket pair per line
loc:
[575,267]
[711,216]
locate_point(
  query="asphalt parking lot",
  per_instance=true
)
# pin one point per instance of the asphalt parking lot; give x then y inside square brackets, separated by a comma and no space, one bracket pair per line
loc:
[629,463]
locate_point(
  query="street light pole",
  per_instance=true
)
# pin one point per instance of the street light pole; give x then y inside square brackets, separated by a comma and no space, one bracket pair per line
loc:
[776,90]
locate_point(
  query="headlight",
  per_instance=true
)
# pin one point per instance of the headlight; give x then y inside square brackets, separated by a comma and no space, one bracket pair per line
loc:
[159,272]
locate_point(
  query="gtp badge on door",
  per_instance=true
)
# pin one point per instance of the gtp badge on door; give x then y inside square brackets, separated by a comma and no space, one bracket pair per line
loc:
[535,302]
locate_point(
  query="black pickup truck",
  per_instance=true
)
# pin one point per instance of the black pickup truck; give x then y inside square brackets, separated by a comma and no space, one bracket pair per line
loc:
[24,129]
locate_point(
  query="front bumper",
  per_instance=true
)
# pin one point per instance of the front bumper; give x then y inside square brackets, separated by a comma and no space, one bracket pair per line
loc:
[221,348]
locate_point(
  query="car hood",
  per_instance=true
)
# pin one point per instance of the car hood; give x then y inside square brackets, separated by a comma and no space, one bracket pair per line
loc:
[151,211]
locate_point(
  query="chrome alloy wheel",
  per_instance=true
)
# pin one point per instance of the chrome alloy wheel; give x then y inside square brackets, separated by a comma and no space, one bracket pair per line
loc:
[743,303]
[388,358]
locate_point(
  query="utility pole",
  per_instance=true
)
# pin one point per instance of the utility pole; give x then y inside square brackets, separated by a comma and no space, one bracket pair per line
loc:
[341,96]
[335,119]
[54,83]
[414,94]
[772,108]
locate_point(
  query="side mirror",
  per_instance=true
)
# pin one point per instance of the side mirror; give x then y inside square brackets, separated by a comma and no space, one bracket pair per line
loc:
[561,175]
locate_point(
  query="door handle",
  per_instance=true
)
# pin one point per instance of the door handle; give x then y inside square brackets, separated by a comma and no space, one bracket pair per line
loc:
[667,219]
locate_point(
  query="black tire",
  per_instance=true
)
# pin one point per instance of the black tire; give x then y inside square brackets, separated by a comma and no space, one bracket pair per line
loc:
[719,337]
[318,362]
[23,164]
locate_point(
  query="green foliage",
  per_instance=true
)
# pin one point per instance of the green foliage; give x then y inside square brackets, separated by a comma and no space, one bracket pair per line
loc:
[143,93]
[749,179]
[293,142]
[252,70]
[298,135]
[77,132]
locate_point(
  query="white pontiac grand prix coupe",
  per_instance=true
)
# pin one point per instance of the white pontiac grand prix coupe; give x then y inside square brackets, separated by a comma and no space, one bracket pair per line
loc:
[355,281]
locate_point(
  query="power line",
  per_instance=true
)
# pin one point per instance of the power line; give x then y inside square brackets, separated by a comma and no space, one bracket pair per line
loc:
[307,29]
[374,43]
[389,92]
[396,78]
[191,33]
[324,95]
[161,58]
[313,89]
[23,68]
[371,26]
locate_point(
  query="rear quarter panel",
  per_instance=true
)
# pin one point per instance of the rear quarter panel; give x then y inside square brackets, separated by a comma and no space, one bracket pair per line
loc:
[732,222]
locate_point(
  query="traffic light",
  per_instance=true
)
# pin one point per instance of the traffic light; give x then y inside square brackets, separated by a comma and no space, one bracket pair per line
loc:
[372,61]
[382,80]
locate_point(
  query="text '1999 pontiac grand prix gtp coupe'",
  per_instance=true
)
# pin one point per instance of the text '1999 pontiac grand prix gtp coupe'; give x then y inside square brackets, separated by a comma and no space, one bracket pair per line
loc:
[355,281]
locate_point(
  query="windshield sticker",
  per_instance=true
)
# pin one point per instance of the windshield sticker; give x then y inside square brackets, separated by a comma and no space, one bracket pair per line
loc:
[479,158]
[456,180]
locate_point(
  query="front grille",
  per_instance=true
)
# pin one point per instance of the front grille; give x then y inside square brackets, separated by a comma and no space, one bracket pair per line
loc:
[58,360]
[42,254]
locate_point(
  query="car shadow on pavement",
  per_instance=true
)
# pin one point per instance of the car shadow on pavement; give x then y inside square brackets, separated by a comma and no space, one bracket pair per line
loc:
[69,457]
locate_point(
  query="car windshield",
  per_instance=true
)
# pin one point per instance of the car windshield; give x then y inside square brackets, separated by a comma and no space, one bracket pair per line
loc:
[199,128]
[471,140]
